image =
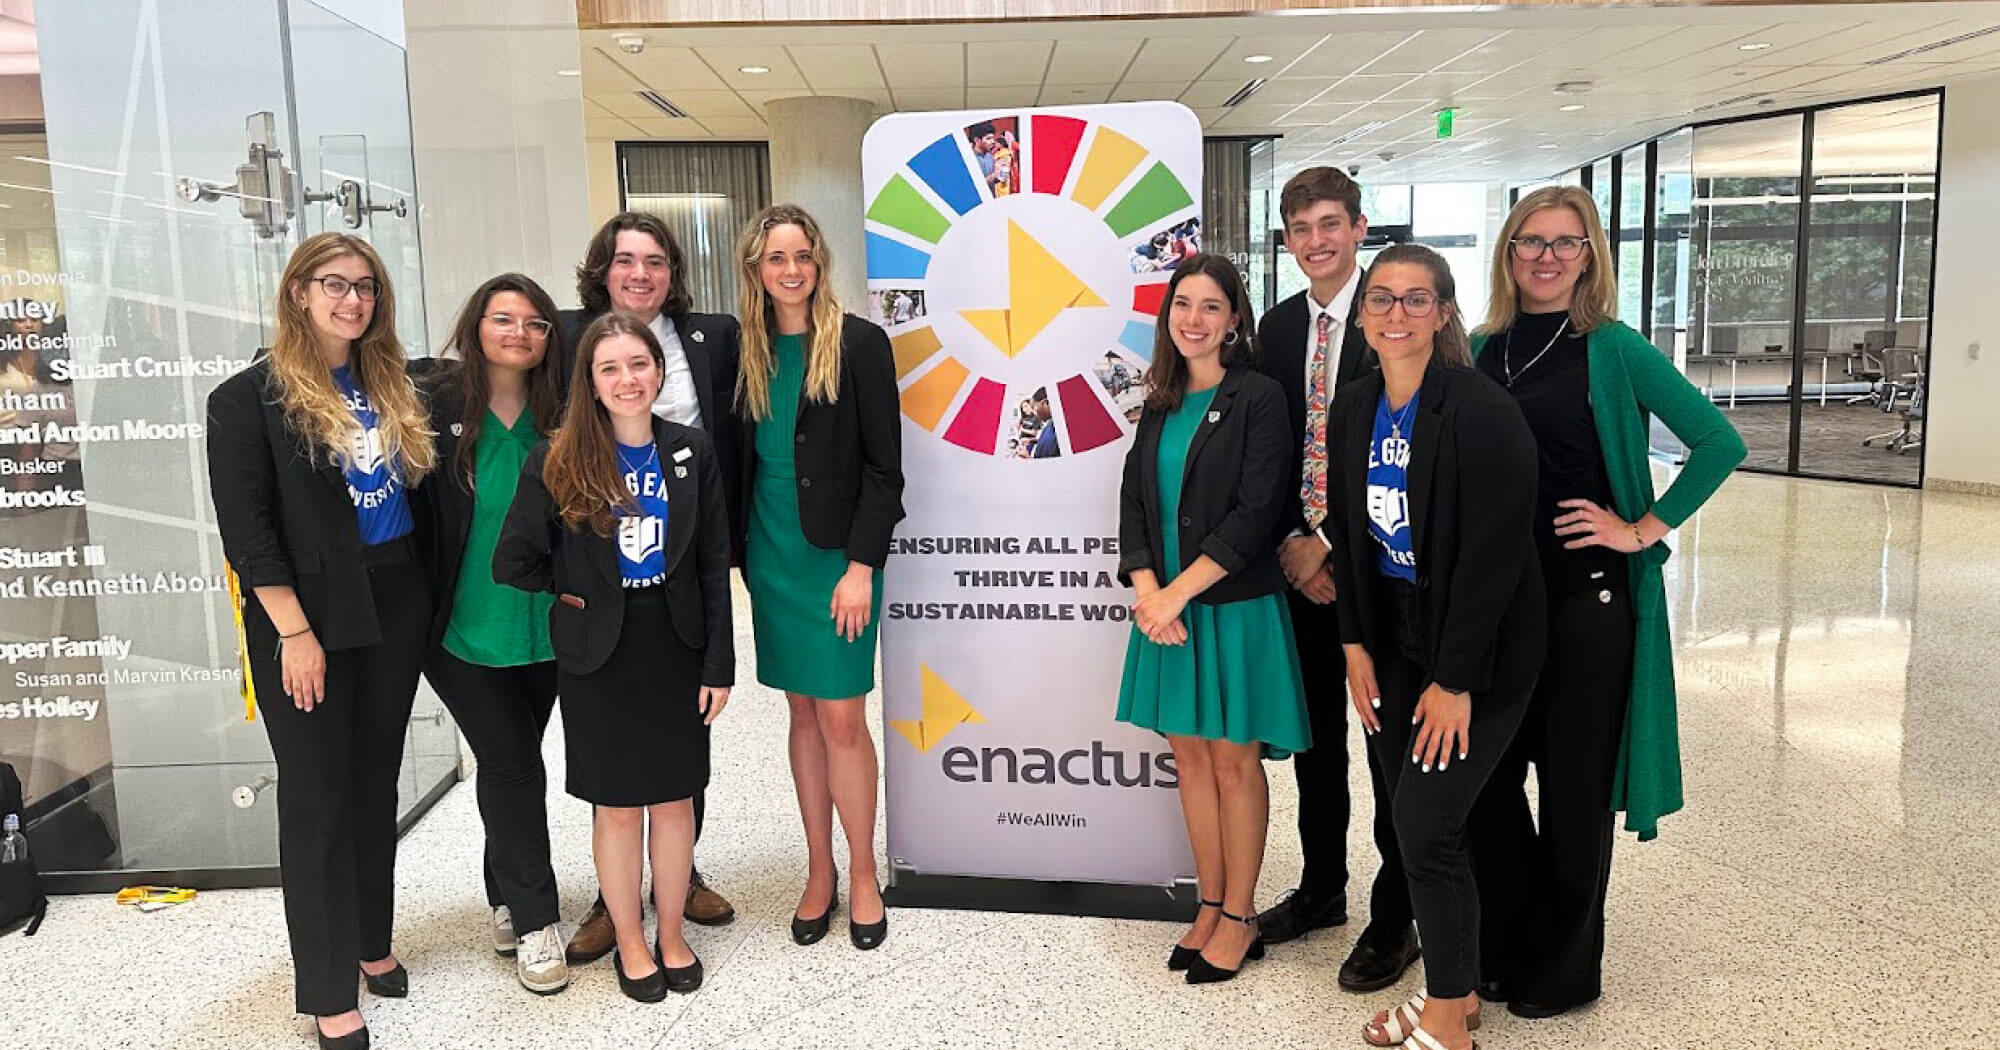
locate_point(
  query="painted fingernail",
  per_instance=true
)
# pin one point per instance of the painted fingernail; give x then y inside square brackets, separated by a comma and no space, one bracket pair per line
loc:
[1414,760]
[1376,700]
[1427,767]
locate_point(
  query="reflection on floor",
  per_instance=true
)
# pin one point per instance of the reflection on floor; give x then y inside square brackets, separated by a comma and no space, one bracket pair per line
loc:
[1831,883]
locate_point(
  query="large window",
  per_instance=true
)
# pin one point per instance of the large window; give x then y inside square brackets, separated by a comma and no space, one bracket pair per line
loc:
[1630,234]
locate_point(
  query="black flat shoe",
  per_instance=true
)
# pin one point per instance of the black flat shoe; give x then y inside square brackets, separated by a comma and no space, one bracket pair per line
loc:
[355,1040]
[1379,961]
[1542,1011]
[869,936]
[1201,971]
[392,985]
[809,931]
[1182,956]
[1493,991]
[680,979]
[1299,913]
[648,989]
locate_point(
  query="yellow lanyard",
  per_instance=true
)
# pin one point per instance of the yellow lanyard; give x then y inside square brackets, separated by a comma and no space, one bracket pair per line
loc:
[246,685]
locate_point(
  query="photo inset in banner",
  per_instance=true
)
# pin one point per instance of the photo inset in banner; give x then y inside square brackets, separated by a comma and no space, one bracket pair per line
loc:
[889,307]
[1125,382]
[1033,435]
[1164,249]
[997,144]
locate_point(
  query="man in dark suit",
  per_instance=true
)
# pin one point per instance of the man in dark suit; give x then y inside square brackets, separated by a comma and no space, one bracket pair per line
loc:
[1312,345]
[635,265]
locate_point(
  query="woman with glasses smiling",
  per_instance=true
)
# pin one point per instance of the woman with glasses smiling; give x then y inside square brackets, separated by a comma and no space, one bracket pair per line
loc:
[1429,505]
[1601,726]
[489,657]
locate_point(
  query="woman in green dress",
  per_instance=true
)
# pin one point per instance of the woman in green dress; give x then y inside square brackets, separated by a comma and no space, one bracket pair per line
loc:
[1211,663]
[822,463]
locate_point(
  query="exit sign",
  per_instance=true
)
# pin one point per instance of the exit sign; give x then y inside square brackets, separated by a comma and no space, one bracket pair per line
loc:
[1445,119]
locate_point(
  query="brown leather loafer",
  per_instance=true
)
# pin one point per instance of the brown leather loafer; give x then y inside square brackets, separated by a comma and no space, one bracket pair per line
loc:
[705,907]
[594,938]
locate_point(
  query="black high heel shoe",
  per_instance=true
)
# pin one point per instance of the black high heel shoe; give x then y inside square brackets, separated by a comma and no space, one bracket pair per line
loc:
[869,936]
[1183,957]
[355,1040]
[648,989]
[809,931]
[392,985]
[1201,971]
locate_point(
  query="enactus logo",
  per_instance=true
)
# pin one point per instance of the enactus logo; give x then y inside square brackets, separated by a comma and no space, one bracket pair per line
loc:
[945,710]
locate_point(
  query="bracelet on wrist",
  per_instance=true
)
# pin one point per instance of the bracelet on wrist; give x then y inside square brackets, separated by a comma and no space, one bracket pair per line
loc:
[295,634]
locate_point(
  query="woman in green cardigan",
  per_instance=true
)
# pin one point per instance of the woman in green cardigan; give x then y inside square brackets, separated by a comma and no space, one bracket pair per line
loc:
[1601,726]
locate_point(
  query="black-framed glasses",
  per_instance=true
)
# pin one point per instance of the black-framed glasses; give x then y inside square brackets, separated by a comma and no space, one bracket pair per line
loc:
[1530,248]
[336,287]
[1415,304]
[508,324]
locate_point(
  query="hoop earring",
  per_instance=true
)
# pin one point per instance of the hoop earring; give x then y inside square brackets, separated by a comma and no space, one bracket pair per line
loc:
[1231,338]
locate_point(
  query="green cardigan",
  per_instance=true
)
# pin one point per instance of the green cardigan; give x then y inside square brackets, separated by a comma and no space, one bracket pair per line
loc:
[1631,380]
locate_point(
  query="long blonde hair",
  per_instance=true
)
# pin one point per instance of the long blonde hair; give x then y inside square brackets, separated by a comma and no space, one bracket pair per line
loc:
[759,316]
[304,383]
[1596,298]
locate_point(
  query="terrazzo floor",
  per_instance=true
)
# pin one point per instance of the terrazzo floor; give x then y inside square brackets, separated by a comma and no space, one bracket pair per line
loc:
[1832,883]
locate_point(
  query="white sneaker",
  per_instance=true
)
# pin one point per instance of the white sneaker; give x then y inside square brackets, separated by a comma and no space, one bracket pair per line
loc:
[504,942]
[539,963]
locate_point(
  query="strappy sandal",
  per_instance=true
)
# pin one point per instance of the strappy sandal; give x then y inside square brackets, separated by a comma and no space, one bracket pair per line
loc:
[1182,957]
[1422,1040]
[1401,1027]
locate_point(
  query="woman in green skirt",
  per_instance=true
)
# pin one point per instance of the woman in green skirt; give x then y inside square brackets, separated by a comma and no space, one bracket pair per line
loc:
[822,463]
[1211,664]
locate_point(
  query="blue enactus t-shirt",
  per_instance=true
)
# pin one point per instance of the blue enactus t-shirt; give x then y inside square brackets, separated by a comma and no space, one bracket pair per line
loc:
[380,506]
[1389,490]
[642,536]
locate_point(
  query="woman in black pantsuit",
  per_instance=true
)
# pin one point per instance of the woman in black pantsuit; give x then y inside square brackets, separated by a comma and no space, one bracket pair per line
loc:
[1442,608]
[312,451]
[622,515]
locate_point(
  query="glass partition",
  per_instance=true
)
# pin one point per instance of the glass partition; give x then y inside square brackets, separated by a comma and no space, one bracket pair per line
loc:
[1629,239]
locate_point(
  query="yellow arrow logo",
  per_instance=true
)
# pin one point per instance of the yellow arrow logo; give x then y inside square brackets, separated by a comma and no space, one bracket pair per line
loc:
[1040,288]
[944,710]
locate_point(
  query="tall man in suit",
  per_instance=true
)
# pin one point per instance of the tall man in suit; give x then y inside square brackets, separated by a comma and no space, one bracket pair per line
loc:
[1312,344]
[635,265]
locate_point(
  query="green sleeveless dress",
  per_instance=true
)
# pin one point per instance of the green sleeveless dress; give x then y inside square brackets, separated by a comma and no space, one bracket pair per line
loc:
[1237,676]
[791,581]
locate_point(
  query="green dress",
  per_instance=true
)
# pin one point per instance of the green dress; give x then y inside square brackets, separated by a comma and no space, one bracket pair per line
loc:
[791,581]
[1237,676]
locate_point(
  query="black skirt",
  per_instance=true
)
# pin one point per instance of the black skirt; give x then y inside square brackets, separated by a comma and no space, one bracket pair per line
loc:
[632,728]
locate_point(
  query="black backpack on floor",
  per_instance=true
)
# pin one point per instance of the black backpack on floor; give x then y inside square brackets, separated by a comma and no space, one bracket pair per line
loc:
[21,898]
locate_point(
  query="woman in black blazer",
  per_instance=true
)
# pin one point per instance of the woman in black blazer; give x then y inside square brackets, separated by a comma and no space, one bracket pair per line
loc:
[1211,662]
[620,514]
[312,452]
[823,490]
[1441,604]
[489,657]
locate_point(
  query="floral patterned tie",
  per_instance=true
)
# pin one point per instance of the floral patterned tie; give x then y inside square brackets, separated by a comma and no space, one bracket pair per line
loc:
[1313,490]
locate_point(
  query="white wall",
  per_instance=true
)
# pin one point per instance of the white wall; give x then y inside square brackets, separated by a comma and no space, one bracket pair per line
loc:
[1962,433]
[501,166]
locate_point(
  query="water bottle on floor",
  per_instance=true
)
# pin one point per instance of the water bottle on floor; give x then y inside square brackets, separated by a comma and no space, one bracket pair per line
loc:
[13,844]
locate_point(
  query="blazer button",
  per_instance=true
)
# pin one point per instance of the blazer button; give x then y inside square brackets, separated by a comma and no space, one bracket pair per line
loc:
[798,439]
[1186,522]
[805,483]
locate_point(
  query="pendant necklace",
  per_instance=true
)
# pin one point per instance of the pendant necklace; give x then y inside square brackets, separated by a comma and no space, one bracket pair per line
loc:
[1507,355]
[1395,424]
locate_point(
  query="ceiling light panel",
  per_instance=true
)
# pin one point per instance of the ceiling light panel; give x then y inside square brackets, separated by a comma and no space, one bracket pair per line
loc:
[1006,62]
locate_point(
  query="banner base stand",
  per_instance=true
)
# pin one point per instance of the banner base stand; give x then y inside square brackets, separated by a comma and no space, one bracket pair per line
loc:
[1107,900]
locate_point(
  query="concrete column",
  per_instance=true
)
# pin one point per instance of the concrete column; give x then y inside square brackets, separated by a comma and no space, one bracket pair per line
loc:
[816,164]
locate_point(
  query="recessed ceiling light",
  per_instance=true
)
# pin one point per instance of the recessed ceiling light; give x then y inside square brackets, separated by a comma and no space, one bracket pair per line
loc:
[1546,145]
[1256,59]
[569,72]
[755,71]
[1760,46]
[1571,108]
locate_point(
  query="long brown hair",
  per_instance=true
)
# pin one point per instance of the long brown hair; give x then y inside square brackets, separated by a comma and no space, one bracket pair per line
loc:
[303,382]
[1450,345]
[582,472]
[1167,377]
[1595,300]
[760,319]
[544,403]
[596,265]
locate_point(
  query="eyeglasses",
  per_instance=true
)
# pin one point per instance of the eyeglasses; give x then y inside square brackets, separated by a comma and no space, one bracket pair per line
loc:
[508,324]
[1415,304]
[336,287]
[1530,248]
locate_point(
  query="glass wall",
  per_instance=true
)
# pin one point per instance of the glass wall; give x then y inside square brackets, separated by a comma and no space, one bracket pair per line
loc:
[1629,232]
[706,192]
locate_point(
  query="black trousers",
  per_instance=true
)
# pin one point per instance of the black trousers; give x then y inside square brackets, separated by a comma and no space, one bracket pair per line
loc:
[337,775]
[1324,803]
[503,712]
[1546,889]
[1431,811]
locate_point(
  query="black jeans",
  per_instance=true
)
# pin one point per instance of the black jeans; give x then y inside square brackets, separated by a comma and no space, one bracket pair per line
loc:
[503,712]
[1324,803]
[1546,890]
[1431,810]
[337,774]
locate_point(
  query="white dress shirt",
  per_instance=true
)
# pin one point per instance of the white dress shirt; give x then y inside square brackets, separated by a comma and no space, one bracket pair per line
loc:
[1340,307]
[678,400]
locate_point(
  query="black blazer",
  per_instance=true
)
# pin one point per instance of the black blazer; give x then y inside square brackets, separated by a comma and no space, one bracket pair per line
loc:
[1284,338]
[1231,494]
[286,519]
[849,455]
[536,552]
[1472,481]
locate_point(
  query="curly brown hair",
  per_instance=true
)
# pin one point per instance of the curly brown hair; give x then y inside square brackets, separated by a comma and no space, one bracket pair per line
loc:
[596,265]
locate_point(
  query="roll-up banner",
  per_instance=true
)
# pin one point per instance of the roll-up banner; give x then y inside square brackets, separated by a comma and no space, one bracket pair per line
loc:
[1017,259]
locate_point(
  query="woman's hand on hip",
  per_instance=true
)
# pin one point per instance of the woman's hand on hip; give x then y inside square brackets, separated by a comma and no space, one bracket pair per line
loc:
[1446,721]
[713,699]
[303,670]
[853,600]
[1595,526]
[1361,688]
